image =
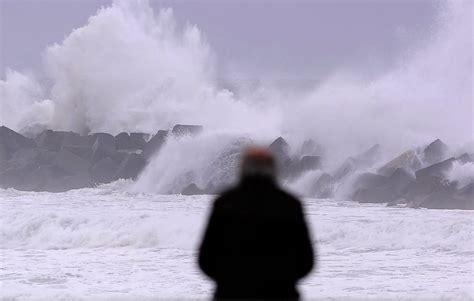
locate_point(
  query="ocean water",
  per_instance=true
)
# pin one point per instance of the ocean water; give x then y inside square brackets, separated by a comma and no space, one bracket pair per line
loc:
[109,243]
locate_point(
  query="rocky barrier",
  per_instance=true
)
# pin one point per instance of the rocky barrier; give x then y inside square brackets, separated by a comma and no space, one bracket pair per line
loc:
[58,161]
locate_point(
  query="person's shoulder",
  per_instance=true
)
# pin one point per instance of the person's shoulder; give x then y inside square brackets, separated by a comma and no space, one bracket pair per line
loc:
[289,197]
[226,196]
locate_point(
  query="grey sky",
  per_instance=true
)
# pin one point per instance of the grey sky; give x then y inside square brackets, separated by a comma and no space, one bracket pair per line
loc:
[278,39]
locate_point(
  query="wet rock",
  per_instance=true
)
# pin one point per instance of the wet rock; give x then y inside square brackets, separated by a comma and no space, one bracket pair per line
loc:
[84,152]
[437,170]
[445,195]
[310,148]
[186,130]
[131,167]
[103,171]
[11,141]
[442,197]
[281,150]
[74,140]
[465,158]
[139,139]
[119,156]
[408,160]
[123,142]
[373,195]
[70,162]
[435,152]
[93,137]
[400,181]
[155,144]
[54,140]
[372,188]
[306,163]
[397,202]
[421,188]
[31,157]
[467,191]
[324,186]
[192,189]
[367,180]
[4,154]
[104,146]
[346,168]
[46,178]
[77,181]
[16,177]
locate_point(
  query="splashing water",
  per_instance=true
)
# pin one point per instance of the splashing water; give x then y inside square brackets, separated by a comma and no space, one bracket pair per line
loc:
[129,69]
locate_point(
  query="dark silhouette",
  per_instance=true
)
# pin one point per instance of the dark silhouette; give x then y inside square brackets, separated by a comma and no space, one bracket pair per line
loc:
[256,245]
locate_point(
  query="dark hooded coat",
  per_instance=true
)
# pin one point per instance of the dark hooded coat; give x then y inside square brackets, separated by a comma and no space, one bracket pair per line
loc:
[256,245]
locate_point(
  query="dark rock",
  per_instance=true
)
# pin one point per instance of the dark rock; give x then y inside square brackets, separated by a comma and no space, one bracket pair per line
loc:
[324,186]
[15,177]
[281,150]
[186,130]
[135,141]
[467,194]
[373,195]
[372,188]
[84,152]
[435,152]
[310,162]
[54,140]
[437,170]
[368,180]
[93,137]
[408,160]
[130,167]
[46,178]
[139,139]
[4,154]
[31,157]
[11,141]
[77,181]
[119,156]
[307,163]
[104,146]
[397,202]
[346,168]
[399,181]
[70,162]
[310,148]
[467,191]
[155,144]
[75,140]
[465,158]
[421,188]
[440,194]
[192,189]
[442,197]
[103,171]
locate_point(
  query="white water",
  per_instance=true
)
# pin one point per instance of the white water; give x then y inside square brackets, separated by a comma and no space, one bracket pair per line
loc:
[107,242]
[132,69]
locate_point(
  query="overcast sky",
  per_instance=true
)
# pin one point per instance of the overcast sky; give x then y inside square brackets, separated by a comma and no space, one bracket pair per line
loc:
[280,39]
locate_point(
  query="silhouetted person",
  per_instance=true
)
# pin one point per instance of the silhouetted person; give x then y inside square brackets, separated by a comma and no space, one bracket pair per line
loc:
[256,245]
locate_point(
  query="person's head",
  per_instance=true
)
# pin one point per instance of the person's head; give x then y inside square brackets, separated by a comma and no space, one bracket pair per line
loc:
[258,161]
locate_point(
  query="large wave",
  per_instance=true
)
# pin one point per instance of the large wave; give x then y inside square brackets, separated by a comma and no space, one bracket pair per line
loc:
[137,220]
[129,69]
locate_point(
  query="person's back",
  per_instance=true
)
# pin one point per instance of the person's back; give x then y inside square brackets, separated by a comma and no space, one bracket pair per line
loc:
[256,244]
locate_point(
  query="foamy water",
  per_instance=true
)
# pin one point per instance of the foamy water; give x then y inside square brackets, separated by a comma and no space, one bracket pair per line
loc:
[110,243]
